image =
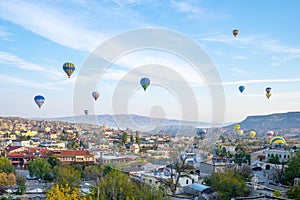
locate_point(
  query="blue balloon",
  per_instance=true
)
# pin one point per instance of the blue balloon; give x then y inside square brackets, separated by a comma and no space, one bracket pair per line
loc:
[145,82]
[39,100]
[241,88]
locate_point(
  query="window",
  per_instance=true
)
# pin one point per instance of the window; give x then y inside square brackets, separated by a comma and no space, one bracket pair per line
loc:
[187,181]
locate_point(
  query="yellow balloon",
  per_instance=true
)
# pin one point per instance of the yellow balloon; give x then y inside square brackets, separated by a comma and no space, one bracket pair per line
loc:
[237,127]
[268,95]
[252,134]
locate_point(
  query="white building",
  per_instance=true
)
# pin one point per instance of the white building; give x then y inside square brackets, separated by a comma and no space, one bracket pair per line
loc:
[282,154]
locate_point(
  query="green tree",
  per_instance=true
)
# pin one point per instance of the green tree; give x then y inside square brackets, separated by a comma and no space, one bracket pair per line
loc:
[274,159]
[294,192]
[292,170]
[6,166]
[67,175]
[131,138]
[137,138]
[21,183]
[116,185]
[276,193]
[39,168]
[124,138]
[53,161]
[94,172]
[228,184]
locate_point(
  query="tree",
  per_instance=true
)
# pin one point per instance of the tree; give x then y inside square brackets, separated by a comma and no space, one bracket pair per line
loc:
[67,175]
[39,168]
[276,174]
[116,185]
[176,170]
[137,138]
[94,172]
[124,138]
[276,193]
[6,166]
[65,192]
[294,192]
[7,179]
[228,184]
[292,170]
[53,161]
[21,183]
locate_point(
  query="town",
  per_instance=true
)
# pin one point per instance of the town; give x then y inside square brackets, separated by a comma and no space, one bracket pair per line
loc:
[191,162]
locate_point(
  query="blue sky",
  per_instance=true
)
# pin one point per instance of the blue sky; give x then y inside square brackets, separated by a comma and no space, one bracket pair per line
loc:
[37,37]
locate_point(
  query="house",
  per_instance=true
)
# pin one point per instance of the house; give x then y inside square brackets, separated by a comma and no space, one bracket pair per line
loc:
[74,156]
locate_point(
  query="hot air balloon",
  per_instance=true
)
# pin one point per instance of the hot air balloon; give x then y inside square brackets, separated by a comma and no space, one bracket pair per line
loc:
[268,90]
[235,32]
[240,132]
[241,88]
[277,140]
[69,68]
[86,112]
[237,127]
[145,82]
[252,134]
[39,100]
[95,95]
[270,133]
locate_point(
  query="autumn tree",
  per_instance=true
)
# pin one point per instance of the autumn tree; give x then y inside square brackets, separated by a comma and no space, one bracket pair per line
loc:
[6,166]
[65,192]
[39,168]
[7,179]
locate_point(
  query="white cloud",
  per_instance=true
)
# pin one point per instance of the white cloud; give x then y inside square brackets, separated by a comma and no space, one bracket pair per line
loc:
[237,70]
[64,28]
[262,81]
[26,83]
[15,61]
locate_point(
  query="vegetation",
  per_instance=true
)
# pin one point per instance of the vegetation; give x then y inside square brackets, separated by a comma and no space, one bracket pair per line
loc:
[94,173]
[228,184]
[6,166]
[292,170]
[65,192]
[21,183]
[7,179]
[116,185]
[176,170]
[39,168]
[67,175]
[294,192]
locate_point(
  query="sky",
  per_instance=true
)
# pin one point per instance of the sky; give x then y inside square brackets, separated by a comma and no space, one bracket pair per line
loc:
[38,37]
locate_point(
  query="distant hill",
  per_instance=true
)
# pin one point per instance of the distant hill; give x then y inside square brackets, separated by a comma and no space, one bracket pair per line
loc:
[137,122]
[280,122]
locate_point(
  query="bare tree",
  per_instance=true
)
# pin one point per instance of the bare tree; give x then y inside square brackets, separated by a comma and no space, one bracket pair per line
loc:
[175,171]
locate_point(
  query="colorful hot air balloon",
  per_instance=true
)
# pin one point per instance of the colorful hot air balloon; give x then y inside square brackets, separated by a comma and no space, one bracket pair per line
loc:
[241,88]
[235,32]
[86,112]
[69,68]
[145,82]
[252,134]
[277,140]
[270,133]
[95,95]
[39,100]
[237,127]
